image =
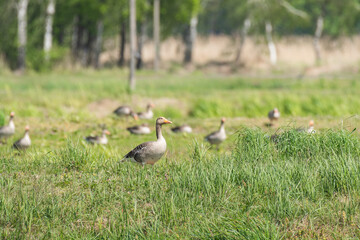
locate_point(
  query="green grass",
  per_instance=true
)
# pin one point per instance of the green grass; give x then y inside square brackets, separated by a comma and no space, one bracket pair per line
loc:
[305,186]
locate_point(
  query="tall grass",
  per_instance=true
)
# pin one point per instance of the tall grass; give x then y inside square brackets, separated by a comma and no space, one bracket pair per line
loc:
[304,186]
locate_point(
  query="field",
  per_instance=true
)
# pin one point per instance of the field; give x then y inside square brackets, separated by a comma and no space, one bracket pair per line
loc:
[305,186]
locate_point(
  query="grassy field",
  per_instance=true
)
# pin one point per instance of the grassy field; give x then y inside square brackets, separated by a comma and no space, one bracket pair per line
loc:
[306,186]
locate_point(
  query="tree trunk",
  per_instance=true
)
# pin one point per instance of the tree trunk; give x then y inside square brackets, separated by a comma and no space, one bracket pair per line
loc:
[157,34]
[243,34]
[98,43]
[318,33]
[189,39]
[132,44]
[75,38]
[122,43]
[48,28]
[141,41]
[84,47]
[22,24]
[271,45]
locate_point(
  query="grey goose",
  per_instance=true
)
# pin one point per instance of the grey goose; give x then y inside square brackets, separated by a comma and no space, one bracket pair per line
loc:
[273,115]
[219,136]
[8,130]
[140,129]
[182,129]
[149,152]
[148,114]
[24,142]
[98,139]
[125,111]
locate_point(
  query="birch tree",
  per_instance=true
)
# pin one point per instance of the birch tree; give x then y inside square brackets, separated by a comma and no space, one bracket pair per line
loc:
[157,34]
[22,34]
[132,5]
[50,10]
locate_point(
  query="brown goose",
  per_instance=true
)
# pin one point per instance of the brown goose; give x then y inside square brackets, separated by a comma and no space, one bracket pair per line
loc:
[125,111]
[8,130]
[148,114]
[98,139]
[149,152]
[23,143]
[274,115]
[182,129]
[140,129]
[219,136]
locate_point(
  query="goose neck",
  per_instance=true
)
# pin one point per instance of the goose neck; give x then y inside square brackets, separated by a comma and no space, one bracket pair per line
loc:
[158,131]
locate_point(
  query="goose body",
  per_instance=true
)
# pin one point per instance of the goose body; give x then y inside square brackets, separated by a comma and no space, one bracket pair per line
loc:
[219,136]
[148,114]
[149,152]
[23,143]
[274,115]
[8,130]
[182,129]
[140,129]
[98,139]
[125,111]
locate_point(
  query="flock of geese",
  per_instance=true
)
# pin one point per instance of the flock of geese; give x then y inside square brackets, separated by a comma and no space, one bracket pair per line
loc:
[145,153]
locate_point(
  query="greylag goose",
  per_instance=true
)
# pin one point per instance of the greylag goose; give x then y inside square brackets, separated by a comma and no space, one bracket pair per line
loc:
[148,114]
[309,129]
[182,129]
[140,129]
[125,111]
[273,115]
[98,139]
[149,152]
[219,136]
[23,143]
[8,130]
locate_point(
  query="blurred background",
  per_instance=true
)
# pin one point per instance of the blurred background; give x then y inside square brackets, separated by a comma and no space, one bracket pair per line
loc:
[310,36]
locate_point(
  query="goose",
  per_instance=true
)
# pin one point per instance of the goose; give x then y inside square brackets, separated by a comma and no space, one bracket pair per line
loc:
[140,129]
[219,136]
[311,127]
[274,115]
[125,111]
[182,129]
[148,114]
[98,139]
[23,143]
[149,152]
[8,130]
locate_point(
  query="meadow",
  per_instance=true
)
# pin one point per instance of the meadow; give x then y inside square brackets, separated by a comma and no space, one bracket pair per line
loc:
[305,186]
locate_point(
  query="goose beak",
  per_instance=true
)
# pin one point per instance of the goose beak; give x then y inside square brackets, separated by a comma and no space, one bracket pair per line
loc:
[107,132]
[12,114]
[167,121]
[136,117]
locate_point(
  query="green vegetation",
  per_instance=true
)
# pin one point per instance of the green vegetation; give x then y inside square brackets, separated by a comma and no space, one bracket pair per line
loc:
[306,185]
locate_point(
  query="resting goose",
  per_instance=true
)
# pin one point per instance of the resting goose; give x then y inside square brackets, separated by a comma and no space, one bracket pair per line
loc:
[125,111]
[98,139]
[23,143]
[8,130]
[311,127]
[149,152]
[140,129]
[219,136]
[182,129]
[274,115]
[148,114]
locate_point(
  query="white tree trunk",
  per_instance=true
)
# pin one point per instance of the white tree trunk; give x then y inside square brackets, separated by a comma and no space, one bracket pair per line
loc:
[157,34]
[318,33]
[190,40]
[98,42]
[48,28]
[243,34]
[271,45]
[132,44]
[22,24]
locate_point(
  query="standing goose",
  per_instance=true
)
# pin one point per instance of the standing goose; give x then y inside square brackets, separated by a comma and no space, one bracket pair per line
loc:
[98,139]
[8,130]
[140,129]
[182,129]
[149,152]
[125,111]
[311,127]
[148,114]
[273,115]
[23,143]
[219,136]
